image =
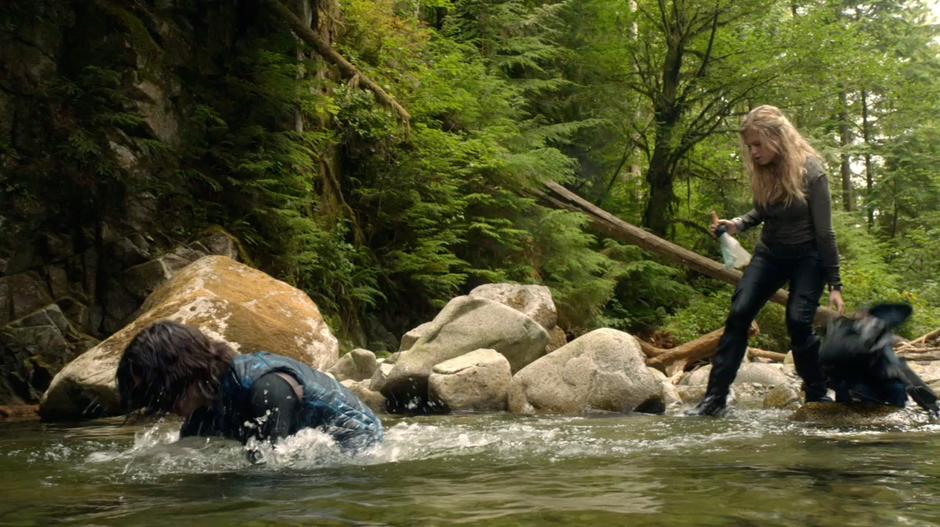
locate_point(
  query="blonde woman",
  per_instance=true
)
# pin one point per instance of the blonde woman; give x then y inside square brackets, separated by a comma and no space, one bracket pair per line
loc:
[797,247]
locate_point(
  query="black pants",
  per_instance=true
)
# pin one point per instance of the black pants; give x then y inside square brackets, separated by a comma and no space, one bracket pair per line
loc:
[763,277]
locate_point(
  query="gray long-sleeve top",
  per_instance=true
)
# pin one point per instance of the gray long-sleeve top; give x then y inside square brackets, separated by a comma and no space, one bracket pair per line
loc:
[791,230]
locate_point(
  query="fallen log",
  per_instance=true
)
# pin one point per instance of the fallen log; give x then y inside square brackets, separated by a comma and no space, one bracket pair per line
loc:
[698,349]
[614,227]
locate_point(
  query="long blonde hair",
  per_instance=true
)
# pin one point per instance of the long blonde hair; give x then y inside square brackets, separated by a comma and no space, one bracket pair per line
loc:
[783,180]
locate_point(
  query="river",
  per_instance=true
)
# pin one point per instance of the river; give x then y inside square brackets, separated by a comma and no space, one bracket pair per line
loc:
[752,468]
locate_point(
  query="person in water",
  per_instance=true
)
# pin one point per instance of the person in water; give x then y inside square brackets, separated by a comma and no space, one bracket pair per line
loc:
[797,247]
[859,361]
[174,368]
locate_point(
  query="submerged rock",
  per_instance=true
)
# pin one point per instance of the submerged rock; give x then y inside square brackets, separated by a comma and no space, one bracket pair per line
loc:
[228,301]
[854,415]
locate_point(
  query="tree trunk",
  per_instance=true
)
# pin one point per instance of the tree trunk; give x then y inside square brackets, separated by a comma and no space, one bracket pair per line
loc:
[869,173]
[845,141]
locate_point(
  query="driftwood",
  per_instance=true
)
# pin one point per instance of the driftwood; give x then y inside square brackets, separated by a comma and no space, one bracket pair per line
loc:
[924,339]
[326,51]
[618,229]
[928,355]
[698,349]
[757,353]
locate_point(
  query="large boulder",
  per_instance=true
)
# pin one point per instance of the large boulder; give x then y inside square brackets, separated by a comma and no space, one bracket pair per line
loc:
[478,380]
[534,301]
[229,301]
[602,370]
[465,324]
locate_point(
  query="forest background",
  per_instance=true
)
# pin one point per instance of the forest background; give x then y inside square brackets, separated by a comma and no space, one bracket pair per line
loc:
[633,104]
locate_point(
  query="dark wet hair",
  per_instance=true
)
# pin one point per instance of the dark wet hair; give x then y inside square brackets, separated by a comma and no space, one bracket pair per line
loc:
[164,360]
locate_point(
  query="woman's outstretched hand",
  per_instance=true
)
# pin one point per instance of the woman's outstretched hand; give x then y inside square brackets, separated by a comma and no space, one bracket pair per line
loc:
[836,303]
[728,225]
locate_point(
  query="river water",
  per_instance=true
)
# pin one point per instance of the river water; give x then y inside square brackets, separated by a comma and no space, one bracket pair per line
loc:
[752,468]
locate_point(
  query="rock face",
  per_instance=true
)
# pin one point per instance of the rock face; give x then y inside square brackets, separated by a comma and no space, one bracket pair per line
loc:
[465,324]
[48,317]
[478,380]
[602,370]
[357,365]
[227,300]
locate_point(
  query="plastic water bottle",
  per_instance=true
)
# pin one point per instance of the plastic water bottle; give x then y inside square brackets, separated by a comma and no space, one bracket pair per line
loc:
[732,253]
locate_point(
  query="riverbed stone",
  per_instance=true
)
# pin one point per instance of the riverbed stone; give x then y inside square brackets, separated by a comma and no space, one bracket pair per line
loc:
[670,396]
[602,370]
[856,415]
[752,384]
[372,398]
[475,381]
[228,301]
[465,324]
[357,365]
[783,397]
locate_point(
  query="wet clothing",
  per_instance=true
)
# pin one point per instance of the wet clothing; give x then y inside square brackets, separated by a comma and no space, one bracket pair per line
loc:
[797,248]
[792,230]
[762,278]
[259,399]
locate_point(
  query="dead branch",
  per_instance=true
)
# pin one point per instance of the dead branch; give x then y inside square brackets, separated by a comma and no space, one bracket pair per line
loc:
[765,354]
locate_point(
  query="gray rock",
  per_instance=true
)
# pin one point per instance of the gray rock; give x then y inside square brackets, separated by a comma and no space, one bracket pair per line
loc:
[534,301]
[408,339]
[357,365]
[602,370]
[556,339]
[752,385]
[372,398]
[670,396]
[476,381]
[783,397]
[465,324]
[377,382]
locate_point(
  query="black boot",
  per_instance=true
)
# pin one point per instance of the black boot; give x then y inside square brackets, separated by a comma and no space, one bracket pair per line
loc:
[711,406]
[816,393]
[806,361]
